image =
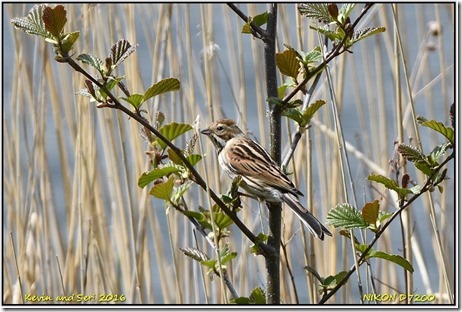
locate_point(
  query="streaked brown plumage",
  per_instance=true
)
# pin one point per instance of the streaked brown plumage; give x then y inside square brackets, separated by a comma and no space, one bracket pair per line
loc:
[241,156]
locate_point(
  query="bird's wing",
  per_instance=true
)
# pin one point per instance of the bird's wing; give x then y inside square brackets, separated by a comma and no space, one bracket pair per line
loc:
[250,160]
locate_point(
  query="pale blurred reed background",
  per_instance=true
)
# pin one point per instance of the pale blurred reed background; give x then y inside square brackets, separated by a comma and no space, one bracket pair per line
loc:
[71,204]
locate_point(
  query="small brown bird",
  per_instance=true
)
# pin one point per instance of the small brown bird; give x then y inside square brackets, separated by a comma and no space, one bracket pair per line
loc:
[262,177]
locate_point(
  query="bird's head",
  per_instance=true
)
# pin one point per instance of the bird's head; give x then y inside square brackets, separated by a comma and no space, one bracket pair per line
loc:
[221,131]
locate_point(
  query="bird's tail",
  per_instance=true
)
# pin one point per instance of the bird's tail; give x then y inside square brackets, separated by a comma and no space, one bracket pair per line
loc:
[313,224]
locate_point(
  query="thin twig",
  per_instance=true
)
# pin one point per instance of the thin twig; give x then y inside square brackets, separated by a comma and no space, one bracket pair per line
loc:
[201,230]
[289,269]
[298,134]
[262,34]
[329,57]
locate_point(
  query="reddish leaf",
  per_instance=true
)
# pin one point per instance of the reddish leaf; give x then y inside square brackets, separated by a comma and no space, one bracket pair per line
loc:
[370,212]
[54,19]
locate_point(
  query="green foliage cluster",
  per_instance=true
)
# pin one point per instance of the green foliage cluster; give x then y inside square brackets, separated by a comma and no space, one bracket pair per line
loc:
[370,217]
[173,173]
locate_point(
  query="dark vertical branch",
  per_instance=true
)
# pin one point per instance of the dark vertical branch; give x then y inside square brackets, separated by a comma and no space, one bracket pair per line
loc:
[272,262]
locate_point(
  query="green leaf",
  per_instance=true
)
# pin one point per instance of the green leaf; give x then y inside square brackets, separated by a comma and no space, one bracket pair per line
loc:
[361,248]
[275,101]
[366,32]
[136,100]
[227,256]
[120,51]
[318,11]
[194,159]
[439,151]
[246,29]
[293,114]
[332,35]
[148,177]
[345,215]
[383,216]
[282,90]
[390,184]
[259,20]
[309,112]
[209,263]
[393,258]
[314,56]
[288,63]
[258,296]
[195,254]
[240,300]
[346,9]
[255,248]
[94,61]
[112,82]
[339,276]
[68,40]
[440,177]
[222,220]
[424,167]
[416,189]
[172,131]
[163,86]
[329,281]
[180,191]
[163,190]
[109,85]
[370,212]
[410,153]
[33,24]
[200,217]
[262,238]
[54,19]
[303,118]
[174,157]
[333,280]
[448,132]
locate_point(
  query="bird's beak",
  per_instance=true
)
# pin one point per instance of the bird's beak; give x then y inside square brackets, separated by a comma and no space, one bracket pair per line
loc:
[206,131]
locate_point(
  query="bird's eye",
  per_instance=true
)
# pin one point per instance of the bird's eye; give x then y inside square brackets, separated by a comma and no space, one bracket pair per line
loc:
[220,128]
